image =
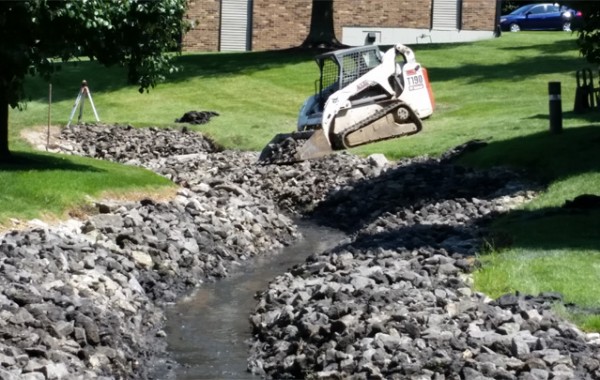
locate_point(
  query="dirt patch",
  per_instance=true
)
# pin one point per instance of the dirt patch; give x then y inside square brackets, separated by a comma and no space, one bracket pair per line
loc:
[42,137]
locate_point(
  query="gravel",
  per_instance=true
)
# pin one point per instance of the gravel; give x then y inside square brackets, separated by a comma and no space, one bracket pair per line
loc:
[82,300]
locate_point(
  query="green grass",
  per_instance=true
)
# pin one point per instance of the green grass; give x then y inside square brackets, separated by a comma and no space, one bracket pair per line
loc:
[494,90]
[574,273]
[46,185]
[541,269]
[255,94]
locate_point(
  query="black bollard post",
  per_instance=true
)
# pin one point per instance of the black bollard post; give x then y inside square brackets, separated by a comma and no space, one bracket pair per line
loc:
[555,105]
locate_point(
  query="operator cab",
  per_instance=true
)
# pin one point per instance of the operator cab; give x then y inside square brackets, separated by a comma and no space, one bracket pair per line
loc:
[342,67]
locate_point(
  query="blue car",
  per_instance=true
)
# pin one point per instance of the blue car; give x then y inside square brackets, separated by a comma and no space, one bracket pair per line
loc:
[546,16]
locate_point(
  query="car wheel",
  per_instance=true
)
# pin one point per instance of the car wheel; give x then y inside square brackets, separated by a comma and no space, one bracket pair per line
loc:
[515,28]
[566,27]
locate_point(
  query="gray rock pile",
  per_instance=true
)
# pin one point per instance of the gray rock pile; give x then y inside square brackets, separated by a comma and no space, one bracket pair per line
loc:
[375,313]
[71,309]
[283,149]
[395,302]
[191,238]
[131,145]
[82,301]
[196,163]
[450,202]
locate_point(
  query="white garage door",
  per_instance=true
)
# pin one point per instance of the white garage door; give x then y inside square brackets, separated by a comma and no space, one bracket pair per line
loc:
[446,14]
[235,25]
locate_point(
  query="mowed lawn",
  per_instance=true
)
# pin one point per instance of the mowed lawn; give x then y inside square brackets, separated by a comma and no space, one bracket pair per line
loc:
[494,90]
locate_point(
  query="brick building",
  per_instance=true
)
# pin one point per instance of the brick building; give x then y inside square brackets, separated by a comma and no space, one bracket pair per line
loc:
[243,25]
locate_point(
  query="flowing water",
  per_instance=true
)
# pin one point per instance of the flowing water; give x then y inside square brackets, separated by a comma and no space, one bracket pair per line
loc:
[207,332]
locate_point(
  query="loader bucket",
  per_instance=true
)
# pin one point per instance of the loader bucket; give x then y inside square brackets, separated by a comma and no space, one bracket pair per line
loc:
[287,148]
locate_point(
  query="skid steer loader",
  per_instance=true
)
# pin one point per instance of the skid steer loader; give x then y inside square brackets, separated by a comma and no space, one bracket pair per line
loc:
[362,96]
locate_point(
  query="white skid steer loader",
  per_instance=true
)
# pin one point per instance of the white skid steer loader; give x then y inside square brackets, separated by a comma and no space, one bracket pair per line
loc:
[363,96]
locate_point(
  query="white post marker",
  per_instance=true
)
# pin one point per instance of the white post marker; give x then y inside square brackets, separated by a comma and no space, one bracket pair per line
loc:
[84,92]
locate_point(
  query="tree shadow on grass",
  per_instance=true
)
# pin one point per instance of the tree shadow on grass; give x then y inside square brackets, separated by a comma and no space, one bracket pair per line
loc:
[550,60]
[546,156]
[550,228]
[552,47]
[507,71]
[556,47]
[28,161]
[549,158]
[590,116]
[226,64]
[67,81]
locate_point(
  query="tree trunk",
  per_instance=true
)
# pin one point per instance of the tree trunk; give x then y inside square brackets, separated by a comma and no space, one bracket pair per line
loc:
[4,152]
[321,33]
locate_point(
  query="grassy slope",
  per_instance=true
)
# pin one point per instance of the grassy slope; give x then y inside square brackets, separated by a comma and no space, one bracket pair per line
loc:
[548,246]
[256,95]
[41,185]
[495,90]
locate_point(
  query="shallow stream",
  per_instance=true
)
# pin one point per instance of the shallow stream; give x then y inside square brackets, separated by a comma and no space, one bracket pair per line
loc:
[207,332]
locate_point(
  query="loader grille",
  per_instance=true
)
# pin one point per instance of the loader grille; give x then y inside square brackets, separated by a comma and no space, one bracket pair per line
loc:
[330,73]
[357,64]
[348,68]
[344,67]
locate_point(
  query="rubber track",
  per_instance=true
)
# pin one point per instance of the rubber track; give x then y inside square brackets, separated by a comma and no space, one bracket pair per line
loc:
[338,139]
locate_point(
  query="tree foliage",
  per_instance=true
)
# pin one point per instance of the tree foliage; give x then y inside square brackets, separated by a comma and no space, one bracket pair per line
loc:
[510,5]
[38,34]
[589,33]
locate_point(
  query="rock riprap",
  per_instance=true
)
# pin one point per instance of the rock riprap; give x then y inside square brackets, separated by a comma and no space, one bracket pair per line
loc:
[395,302]
[82,300]
[375,313]
[72,309]
[196,163]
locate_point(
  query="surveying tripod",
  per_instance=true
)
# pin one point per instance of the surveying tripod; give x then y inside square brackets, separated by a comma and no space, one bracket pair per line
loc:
[84,92]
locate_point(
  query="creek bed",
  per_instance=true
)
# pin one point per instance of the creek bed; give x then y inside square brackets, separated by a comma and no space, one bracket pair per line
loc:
[207,332]
[394,302]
